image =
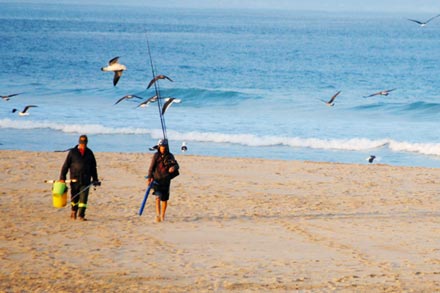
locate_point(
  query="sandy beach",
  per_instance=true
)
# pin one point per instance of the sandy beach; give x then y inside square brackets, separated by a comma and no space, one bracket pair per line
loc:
[232,225]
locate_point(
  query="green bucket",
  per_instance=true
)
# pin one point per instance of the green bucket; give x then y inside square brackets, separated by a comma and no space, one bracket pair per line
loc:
[58,188]
[59,194]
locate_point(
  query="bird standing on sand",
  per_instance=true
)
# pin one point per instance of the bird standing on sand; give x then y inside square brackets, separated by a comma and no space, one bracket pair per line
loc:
[423,23]
[147,102]
[184,148]
[25,110]
[168,102]
[127,97]
[114,66]
[381,93]
[156,78]
[371,158]
[7,97]
[331,102]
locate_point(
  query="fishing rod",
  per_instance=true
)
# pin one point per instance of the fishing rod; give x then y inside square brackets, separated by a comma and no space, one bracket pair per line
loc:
[156,88]
[85,188]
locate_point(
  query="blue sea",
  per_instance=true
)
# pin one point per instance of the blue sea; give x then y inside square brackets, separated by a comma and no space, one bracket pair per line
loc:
[251,82]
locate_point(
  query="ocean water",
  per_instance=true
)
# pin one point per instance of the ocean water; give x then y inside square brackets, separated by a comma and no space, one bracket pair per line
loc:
[250,81]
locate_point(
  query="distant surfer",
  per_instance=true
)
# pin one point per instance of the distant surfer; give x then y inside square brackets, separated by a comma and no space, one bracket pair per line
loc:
[81,163]
[163,168]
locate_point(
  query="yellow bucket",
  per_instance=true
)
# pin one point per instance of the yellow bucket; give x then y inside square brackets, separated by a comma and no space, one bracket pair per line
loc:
[59,194]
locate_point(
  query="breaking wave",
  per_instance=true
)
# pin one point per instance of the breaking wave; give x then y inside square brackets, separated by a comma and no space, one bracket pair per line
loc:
[251,140]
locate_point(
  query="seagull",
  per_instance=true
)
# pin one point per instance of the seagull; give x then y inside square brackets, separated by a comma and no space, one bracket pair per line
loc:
[113,65]
[381,93]
[24,112]
[424,23]
[331,102]
[127,97]
[184,148]
[7,97]
[147,102]
[156,78]
[154,148]
[168,102]
[371,158]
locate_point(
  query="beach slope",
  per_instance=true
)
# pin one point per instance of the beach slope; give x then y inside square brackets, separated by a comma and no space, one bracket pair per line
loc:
[232,225]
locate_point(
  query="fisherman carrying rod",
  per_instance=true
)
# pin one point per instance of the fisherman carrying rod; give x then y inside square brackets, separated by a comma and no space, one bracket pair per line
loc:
[81,163]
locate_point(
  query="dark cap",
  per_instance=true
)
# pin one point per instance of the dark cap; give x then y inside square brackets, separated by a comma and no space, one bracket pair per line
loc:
[83,139]
[163,142]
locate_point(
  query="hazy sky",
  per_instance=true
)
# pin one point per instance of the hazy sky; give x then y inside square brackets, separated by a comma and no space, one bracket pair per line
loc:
[408,6]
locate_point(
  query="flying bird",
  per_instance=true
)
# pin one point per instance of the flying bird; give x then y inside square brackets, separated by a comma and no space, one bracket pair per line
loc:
[147,102]
[371,158]
[25,110]
[154,148]
[116,67]
[184,147]
[7,97]
[156,78]
[331,102]
[168,102]
[423,23]
[127,97]
[381,93]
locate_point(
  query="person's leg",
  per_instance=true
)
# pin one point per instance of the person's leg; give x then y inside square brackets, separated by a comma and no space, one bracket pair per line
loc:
[157,219]
[82,205]
[74,188]
[165,196]
[164,208]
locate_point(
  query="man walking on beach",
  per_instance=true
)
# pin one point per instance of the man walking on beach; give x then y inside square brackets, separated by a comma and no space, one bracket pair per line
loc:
[82,165]
[163,168]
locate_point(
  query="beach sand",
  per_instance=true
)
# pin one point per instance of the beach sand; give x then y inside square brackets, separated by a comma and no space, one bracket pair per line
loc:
[232,225]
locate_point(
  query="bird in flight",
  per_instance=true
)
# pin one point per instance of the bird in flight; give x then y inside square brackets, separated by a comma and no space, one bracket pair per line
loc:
[331,102]
[25,110]
[423,23]
[127,97]
[116,67]
[381,93]
[156,78]
[168,102]
[147,102]
[7,97]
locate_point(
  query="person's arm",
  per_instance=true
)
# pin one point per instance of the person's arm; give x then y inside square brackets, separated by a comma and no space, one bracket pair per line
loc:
[65,167]
[94,169]
[152,168]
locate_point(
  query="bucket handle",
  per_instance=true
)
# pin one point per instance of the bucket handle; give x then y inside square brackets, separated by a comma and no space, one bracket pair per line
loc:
[66,181]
